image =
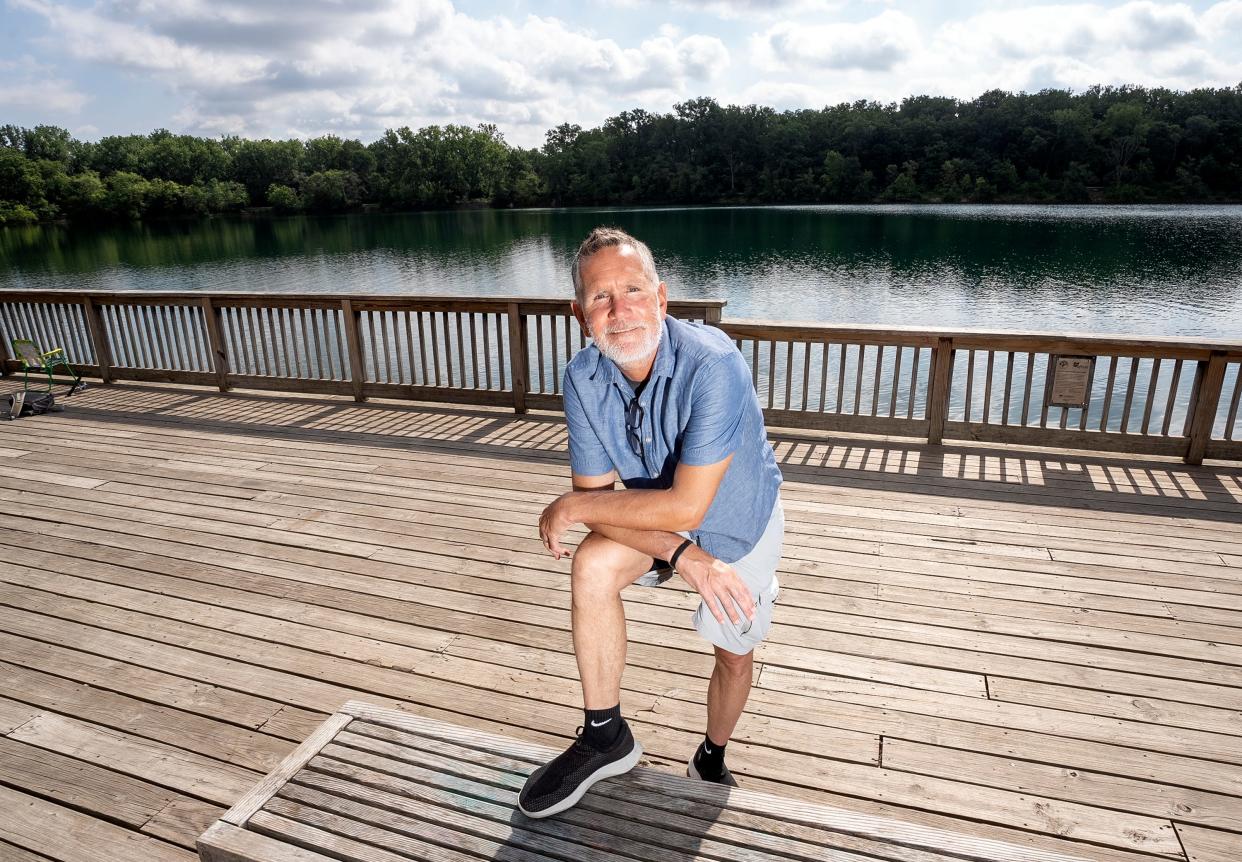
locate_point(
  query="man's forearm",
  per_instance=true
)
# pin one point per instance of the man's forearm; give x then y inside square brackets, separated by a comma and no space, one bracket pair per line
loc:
[655,543]
[638,510]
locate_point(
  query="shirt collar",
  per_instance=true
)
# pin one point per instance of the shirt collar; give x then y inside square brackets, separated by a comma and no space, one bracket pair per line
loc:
[607,371]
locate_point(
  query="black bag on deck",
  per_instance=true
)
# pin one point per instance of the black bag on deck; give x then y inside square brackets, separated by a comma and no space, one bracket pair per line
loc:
[32,404]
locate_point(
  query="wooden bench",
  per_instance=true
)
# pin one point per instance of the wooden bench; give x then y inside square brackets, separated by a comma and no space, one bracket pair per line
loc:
[382,785]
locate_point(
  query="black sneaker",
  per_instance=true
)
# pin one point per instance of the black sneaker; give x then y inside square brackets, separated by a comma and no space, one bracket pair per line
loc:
[562,781]
[726,777]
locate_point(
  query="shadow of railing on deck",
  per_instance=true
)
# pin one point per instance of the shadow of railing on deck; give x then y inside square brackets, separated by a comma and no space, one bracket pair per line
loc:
[1098,481]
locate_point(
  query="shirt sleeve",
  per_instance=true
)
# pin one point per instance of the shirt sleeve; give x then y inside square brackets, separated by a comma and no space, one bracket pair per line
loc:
[587,455]
[719,399]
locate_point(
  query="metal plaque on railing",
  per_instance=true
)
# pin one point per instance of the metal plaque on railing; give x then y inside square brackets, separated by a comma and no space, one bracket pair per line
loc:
[1071,381]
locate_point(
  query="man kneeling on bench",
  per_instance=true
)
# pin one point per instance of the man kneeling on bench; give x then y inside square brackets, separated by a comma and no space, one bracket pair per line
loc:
[668,408]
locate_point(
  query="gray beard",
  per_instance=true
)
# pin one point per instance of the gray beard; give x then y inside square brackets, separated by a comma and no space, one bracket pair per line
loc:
[638,353]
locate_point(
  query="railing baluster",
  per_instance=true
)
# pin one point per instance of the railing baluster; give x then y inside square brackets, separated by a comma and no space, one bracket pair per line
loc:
[771,373]
[754,364]
[858,378]
[914,382]
[1108,393]
[474,349]
[487,351]
[879,365]
[1151,394]
[132,327]
[789,374]
[1086,407]
[500,353]
[894,382]
[373,343]
[970,382]
[1168,405]
[461,352]
[303,320]
[1026,388]
[539,350]
[556,382]
[159,337]
[177,324]
[1008,387]
[840,405]
[1125,410]
[823,376]
[448,349]
[1049,369]
[435,346]
[988,388]
[1232,417]
[806,374]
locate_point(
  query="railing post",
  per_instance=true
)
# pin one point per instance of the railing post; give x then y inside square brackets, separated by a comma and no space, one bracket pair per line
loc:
[215,343]
[1204,401]
[357,368]
[519,364]
[99,338]
[711,315]
[938,391]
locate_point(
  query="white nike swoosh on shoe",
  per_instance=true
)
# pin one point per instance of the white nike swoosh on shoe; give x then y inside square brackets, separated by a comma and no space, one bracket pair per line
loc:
[600,723]
[707,749]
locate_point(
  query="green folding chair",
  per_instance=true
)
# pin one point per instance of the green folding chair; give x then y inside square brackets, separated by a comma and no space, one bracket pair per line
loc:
[33,359]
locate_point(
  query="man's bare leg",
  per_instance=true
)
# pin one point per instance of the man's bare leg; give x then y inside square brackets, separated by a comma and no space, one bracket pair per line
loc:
[727,693]
[602,568]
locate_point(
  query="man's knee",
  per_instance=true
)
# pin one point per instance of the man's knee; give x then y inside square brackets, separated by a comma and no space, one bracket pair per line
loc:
[601,567]
[733,664]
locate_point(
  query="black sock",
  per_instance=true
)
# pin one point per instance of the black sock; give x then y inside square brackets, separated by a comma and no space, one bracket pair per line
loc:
[709,759]
[601,727]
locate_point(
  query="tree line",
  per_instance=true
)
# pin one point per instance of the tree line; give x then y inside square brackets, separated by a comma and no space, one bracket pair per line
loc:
[1112,144]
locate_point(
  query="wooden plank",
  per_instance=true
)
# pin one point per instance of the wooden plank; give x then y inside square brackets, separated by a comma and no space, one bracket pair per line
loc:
[257,796]
[224,742]
[183,820]
[1208,845]
[156,762]
[224,842]
[40,826]
[1153,807]
[80,785]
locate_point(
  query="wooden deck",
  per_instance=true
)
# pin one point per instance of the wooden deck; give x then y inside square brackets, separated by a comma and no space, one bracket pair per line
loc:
[1043,649]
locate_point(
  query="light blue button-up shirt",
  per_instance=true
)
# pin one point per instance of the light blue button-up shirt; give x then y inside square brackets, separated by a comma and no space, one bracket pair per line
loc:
[698,408]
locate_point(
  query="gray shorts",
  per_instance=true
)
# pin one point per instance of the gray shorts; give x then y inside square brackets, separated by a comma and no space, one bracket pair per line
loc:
[758,570]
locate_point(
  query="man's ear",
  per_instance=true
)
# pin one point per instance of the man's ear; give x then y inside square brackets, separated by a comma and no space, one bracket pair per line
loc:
[577,310]
[662,292]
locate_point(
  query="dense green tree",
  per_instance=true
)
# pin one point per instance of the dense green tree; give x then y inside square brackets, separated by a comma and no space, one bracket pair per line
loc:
[1103,144]
[285,199]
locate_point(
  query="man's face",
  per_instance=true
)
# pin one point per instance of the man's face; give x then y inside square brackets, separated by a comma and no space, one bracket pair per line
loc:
[621,309]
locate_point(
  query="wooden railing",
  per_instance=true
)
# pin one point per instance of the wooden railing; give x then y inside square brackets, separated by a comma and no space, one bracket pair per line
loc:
[1157,396]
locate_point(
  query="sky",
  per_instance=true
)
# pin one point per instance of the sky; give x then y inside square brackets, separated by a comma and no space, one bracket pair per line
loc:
[354,68]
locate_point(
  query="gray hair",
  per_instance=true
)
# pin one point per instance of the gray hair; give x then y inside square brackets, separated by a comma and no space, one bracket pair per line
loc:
[611,237]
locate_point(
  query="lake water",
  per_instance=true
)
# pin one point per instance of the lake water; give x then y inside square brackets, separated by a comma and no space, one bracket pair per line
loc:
[1163,270]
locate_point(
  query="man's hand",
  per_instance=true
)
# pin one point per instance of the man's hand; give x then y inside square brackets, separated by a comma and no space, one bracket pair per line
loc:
[553,524]
[718,583]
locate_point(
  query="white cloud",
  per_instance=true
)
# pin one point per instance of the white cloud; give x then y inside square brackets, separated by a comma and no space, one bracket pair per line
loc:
[877,44]
[252,68]
[28,85]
